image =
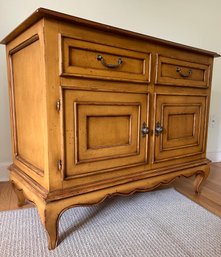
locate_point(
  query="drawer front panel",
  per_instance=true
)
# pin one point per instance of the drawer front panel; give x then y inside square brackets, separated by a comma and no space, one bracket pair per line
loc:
[176,72]
[102,131]
[183,120]
[83,58]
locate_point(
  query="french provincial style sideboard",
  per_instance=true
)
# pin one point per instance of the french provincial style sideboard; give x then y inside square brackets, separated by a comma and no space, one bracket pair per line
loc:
[98,111]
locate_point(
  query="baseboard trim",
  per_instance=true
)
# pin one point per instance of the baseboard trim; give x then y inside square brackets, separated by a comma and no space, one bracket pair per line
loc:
[214,156]
[4,174]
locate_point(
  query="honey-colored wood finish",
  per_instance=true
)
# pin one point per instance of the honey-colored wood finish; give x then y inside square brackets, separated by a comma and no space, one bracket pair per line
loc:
[171,71]
[9,199]
[100,127]
[209,197]
[183,120]
[98,111]
[29,146]
[79,58]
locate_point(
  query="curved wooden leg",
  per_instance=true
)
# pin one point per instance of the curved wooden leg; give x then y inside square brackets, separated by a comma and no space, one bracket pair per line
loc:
[50,219]
[201,176]
[51,226]
[19,193]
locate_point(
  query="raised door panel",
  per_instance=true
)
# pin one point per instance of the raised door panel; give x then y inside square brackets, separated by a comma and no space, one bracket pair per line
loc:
[102,131]
[183,121]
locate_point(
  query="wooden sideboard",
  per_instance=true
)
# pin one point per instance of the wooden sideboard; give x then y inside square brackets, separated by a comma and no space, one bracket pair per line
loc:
[98,111]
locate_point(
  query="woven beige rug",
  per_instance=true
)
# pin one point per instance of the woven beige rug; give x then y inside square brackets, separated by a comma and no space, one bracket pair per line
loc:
[154,224]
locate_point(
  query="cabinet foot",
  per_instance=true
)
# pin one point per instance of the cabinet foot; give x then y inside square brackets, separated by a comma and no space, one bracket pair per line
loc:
[201,176]
[50,220]
[52,232]
[20,195]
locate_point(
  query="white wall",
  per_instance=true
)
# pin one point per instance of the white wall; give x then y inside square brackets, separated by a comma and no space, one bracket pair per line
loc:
[195,23]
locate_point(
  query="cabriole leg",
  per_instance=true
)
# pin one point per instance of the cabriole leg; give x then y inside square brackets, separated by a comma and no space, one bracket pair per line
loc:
[50,219]
[19,193]
[201,176]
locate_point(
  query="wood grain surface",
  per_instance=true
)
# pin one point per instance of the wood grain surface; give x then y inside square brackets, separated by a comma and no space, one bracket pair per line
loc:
[209,198]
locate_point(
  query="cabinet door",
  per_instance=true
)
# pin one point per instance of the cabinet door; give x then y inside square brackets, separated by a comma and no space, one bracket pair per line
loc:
[182,119]
[102,131]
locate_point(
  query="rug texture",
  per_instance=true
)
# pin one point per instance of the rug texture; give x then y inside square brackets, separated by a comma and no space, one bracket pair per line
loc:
[154,224]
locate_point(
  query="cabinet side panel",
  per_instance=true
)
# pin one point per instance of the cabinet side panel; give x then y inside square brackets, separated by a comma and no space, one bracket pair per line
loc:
[27,86]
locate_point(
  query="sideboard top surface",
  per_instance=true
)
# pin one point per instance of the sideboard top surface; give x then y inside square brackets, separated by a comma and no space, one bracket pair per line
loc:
[46,13]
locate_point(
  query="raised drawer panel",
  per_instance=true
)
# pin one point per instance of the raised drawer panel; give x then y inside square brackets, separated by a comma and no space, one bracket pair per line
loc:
[175,72]
[88,59]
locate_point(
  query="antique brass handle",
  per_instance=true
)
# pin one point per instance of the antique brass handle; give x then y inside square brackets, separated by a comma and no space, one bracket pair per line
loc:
[144,130]
[101,59]
[158,129]
[179,70]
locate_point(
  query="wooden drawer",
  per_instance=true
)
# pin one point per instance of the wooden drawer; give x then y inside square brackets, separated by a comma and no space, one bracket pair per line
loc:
[177,72]
[89,59]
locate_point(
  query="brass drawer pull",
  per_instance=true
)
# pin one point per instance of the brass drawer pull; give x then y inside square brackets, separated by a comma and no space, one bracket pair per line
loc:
[144,130]
[179,70]
[158,129]
[101,59]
